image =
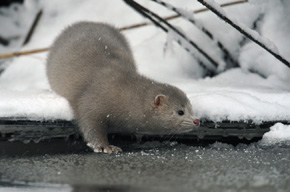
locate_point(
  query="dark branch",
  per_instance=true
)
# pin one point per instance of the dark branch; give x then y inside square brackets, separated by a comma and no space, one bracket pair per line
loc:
[3,41]
[32,28]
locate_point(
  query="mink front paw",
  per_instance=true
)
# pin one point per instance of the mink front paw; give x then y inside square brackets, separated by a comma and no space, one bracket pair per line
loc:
[105,149]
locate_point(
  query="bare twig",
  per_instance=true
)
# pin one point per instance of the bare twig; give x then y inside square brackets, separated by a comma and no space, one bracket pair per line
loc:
[23,53]
[134,26]
[239,28]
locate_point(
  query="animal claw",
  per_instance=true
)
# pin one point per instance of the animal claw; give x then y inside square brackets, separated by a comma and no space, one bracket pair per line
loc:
[107,149]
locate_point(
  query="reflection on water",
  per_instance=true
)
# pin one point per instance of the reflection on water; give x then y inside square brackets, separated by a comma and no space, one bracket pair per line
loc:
[19,186]
[6,186]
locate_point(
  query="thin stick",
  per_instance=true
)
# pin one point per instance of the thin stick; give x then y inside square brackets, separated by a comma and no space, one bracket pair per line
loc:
[239,28]
[23,53]
[134,26]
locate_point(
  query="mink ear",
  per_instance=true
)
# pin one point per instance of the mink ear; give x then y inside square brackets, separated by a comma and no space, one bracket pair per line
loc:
[159,100]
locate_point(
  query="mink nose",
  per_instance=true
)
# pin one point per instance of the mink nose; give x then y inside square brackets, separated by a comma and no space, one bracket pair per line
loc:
[196,122]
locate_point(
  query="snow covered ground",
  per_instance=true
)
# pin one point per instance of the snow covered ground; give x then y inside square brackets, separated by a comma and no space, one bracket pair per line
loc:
[258,91]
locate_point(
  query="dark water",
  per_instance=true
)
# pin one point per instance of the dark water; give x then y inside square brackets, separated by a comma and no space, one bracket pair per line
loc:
[152,166]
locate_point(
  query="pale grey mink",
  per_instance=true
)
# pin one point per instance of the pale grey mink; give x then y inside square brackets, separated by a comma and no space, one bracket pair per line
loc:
[92,66]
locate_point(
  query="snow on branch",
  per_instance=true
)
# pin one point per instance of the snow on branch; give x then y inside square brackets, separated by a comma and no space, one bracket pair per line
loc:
[179,36]
[251,34]
[189,16]
[255,26]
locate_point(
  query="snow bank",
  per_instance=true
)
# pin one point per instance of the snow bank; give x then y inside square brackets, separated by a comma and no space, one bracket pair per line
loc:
[278,134]
[236,95]
[34,105]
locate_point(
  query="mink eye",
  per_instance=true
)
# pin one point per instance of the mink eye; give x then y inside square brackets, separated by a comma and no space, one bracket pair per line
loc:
[180,112]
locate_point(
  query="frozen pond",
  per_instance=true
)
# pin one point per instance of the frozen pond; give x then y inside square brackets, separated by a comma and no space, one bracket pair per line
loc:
[153,166]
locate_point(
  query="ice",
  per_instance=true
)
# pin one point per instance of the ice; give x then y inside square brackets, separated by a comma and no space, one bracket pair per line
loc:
[221,146]
[218,167]
[20,186]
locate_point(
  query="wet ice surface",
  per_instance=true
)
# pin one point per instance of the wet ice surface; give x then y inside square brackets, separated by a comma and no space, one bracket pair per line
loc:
[165,167]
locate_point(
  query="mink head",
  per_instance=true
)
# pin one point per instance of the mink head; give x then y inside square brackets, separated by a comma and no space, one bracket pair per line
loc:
[173,112]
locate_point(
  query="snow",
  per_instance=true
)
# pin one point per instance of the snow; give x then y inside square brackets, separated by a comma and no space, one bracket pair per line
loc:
[233,96]
[36,105]
[245,28]
[185,41]
[278,134]
[15,21]
[257,91]
[255,59]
